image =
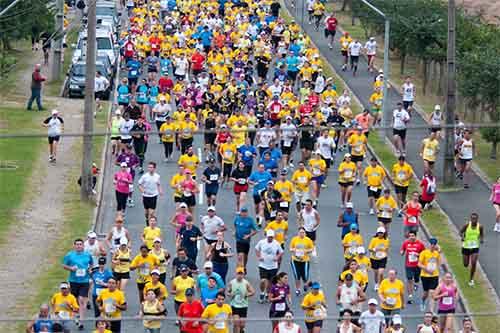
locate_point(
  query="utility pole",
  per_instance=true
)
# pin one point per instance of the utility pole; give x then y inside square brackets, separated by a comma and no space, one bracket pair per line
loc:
[58,42]
[449,132]
[12,4]
[88,112]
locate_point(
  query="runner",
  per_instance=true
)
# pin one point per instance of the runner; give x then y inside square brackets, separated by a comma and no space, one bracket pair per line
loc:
[436,119]
[495,199]
[400,119]
[379,249]
[446,295]
[43,321]
[245,228]
[472,235]
[145,263]
[286,189]
[111,304]
[279,297]
[466,152]
[371,52]
[372,320]
[411,249]
[351,242]
[188,312]
[152,310]
[211,177]
[100,277]
[182,286]
[350,297]
[391,293]
[429,262]
[151,233]
[429,151]
[210,224]
[427,326]
[385,207]
[301,179]
[239,289]
[287,325]
[150,187]
[64,306]
[347,176]
[409,91]
[268,252]
[217,315]
[318,170]
[345,41]
[218,253]
[354,50]
[309,219]
[301,248]
[330,29]
[412,211]
[373,177]
[55,125]
[314,304]
[402,173]
[163,257]
[347,323]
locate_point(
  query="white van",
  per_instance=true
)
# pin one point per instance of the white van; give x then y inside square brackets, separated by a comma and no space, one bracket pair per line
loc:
[105,46]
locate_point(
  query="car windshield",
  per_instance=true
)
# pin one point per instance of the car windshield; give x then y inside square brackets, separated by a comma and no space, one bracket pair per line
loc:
[79,70]
[102,69]
[104,11]
[104,43]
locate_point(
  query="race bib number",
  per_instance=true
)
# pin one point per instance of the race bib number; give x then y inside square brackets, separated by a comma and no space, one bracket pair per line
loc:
[302,179]
[272,213]
[214,178]
[299,253]
[380,254]
[429,152]
[448,300]
[81,272]
[144,271]
[242,181]
[133,72]
[347,173]
[401,175]
[412,257]
[64,315]
[109,308]
[386,214]
[471,244]
[280,306]
[373,188]
[431,266]
[187,193]
[316,172]
[220,325]
[284,204]
[390,301]
[412,219]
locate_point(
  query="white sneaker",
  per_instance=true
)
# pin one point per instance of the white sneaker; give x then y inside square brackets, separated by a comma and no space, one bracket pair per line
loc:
[496,227]
[371,211]
[471,283]
[375,288]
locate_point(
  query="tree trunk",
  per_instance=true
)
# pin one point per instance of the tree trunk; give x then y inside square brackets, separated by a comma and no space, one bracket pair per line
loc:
[402,63]
[353,20]
[344,5]
[441,85]
[426,77]
[493,153]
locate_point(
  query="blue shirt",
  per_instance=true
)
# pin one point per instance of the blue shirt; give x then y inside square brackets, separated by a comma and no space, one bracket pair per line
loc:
[134,67]
[208,294]
[123,94]
[275,153]
[260,179]
[350,219]
[142,94]
[292,63]
[247,154]
[213,176]
[244,226]
[165,66]
[295,48]
[83,261]
[202,280]
[206,37]
[103,277]
[269,164]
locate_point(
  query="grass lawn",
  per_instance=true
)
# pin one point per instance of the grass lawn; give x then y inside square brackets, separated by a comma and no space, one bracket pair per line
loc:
[17,156]
[488,166]
[21,51]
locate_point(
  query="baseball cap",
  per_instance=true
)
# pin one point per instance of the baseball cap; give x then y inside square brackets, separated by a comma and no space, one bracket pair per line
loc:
[183,205]
[433,241]
[101,261]
[349,205]
[208,264]
[240,269]
[396,319]
[155,271]
[189,292]
[347,155]
[361,250]
[64,285]
[123,164]
[284,172]
[91,234]
[118,112]
[315,285]
[157,239]
[353,226]
[270,233]
[211,208]
[437,107]
[55,111]
[372,301]
[268,122]
[270,182]
[381,230]
[243,209]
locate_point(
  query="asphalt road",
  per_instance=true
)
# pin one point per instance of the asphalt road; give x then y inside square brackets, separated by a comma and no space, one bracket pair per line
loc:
[458,204]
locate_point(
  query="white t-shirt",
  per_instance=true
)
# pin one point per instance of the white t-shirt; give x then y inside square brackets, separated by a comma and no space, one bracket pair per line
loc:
[150,183]
[210,226]
[101,83]
[325,146]
[288,133]
[310,5]
[181,65]
[162,111]
[265,137]
[342,99]
[54,126]
[275,90]
[125,128]
[319,84]
[400,118]
[355,48]
[268,252]
[371,47]
[372,322]
[408,92]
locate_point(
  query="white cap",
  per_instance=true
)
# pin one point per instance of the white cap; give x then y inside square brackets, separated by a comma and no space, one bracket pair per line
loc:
[372,301]
[396,319]
[118,112]
[208,264]
[437,107]
[55,111]
[123,164]
[91,234]
[211,208]
[64,285]
[183,205]
[381,229]
[155,271]
[349,205]
[157,239]
[360,250]
[123,241]
[270,233]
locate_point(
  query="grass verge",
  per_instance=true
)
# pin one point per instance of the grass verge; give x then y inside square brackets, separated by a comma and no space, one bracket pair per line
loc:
[21,51]
[16,160]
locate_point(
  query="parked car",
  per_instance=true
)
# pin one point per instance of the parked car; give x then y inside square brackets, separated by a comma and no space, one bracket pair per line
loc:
[77,78]
[105,46]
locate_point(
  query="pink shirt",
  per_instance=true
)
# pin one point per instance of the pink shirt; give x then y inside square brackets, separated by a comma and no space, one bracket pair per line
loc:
[495,194]
[447,302]
[180,218]
[122,179]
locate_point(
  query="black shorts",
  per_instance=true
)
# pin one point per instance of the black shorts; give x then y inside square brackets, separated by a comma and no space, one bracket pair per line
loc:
[311,324]
[121,276]
[468,252]
[407,104]
[357,158]
[399,132]
[346,184]
[446,311]
[378,263]
[210,138]
[79,289]
[210,241]
[54,138]
[435,129]
[226,169]
[344,53]
[374,194]
[465,160]
[429,283]
[267,274]
[328,162]
[116,138]
[311,235]
[178,199]
[431,163]
[212,191]
[286,150]
[132,81]
[240,312]
[330,33]
[99,94]
[385,220]
[412,273]
[354,59]
[308,145]
[126,141]
[300,270]
[242,247]
[257,199]
[190,200]
[149,202]
[401,189]
[277,314]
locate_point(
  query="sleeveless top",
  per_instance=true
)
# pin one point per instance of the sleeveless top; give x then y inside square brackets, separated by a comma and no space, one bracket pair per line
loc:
[151,310]
[436,118]
[309,220]
[43,325]
[93,250]
[239,293]
[447,302]
[466,152]
[347,295]
[116,236]
[427,329]
[216,254]
[342,328]
[413,213]
[282,328]
[471,237]
[124,261]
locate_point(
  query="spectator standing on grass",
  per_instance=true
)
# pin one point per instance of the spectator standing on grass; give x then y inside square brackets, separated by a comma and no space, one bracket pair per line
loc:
[36,88]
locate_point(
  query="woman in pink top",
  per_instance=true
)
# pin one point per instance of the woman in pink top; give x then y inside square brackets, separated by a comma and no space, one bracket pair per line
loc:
[179,220]
[446,295]
[495,199]
[189,189]
[122,180]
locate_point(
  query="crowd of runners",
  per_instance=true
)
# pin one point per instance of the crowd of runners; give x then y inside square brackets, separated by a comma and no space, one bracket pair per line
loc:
[273,126]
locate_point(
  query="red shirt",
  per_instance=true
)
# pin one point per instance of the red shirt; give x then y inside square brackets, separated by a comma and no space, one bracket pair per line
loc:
[331,23]
[155,43]
[129,49]
[197,61]
[219,40]
[193,310]
[275,108]
[305,109]
[165,83]
[412,251]
[313,99]
[426,196]
[222,137]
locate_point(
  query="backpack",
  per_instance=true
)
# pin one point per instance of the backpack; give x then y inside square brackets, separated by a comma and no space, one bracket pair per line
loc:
[431,187]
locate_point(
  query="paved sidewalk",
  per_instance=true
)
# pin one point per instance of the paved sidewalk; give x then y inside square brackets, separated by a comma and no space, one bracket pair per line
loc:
[475,198]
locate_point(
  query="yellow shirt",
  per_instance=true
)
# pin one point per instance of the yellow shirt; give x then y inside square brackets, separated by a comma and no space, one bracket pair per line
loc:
[306,73]
[285,188]
[150,234]
[180,287]
[105,331]
[392,292]
[177,179]
[385,207]
[430,260]
[220,315]
[316,301]
[143,273]
[349,172]
[318,8]
[376,100]
[378,247]
[279,228]
[239,135]
[228,152]
[344,42]
[123,258]
[358,144]
[374,175]
[159,289]
[60,307]
[329,96]
[360,276]
[430,150]
[186,129]
[108,298]
[300,248]
[301,180]
[162,258]
[402,174]
[189,162]
[351,242]
[169,132]
[318,167]
[364,263]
